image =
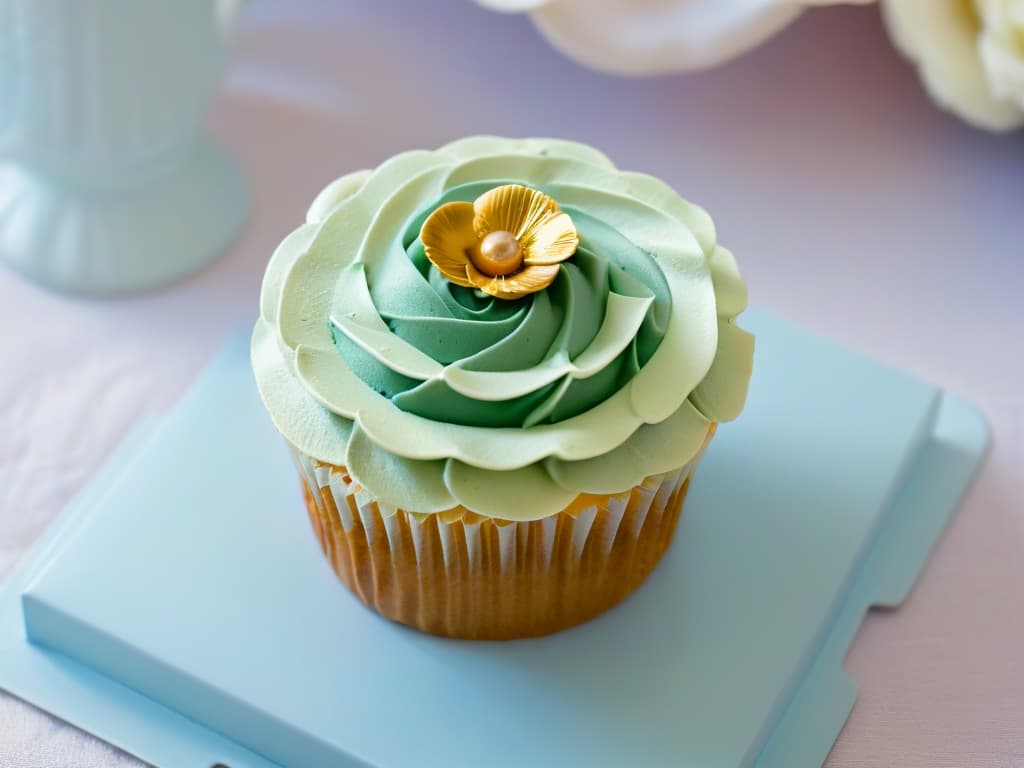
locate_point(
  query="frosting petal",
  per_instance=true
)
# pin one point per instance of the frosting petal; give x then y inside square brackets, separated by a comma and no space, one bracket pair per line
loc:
[623,312]
[424,489]
[472,147]
[334,193]
[723,391]
[528,493]
[652,449]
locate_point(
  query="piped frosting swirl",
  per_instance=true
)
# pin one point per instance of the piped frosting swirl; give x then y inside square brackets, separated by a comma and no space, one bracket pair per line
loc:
[436,395]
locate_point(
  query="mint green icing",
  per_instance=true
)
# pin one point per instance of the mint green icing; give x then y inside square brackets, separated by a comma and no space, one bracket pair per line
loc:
[434,395]
[472,359]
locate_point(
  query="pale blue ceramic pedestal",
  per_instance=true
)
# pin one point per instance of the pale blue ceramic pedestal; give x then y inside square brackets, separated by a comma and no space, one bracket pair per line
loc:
[95,240]
[180,608]
[107,183]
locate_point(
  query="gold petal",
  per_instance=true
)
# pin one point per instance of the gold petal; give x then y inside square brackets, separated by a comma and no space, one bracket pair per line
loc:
[551,241]
[529,280]
[511,208]
[448,238]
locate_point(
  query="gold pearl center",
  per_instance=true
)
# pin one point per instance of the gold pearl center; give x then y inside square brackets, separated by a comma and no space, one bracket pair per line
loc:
[499,254]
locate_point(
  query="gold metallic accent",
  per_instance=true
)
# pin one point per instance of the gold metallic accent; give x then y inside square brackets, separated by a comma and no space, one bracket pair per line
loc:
[448,238]
[507,243]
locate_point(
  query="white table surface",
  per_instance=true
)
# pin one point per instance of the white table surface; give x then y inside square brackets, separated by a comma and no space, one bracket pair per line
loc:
[853,206]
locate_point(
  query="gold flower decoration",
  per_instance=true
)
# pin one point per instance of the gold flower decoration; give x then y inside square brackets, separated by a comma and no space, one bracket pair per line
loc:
[507,243]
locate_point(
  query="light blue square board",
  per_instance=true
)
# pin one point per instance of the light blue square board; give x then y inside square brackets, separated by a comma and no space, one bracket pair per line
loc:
[181,609]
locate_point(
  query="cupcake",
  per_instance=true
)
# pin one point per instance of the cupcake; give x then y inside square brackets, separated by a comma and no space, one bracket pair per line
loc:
[497,365]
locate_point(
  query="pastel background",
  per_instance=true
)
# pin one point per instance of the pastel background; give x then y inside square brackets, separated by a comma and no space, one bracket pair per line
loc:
[854,207]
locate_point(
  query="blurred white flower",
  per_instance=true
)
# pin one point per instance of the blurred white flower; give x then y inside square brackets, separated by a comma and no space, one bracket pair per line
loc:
[970,54]
[641,37]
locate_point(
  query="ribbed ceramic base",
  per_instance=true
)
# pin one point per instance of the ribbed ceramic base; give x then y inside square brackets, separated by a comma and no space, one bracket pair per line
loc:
[122,240]
[462,575]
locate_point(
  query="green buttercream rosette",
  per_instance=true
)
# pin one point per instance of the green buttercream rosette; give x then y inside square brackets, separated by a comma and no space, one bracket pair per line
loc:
[435,395]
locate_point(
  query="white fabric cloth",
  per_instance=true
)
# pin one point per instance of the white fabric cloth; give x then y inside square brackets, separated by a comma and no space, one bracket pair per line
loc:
[853,206]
